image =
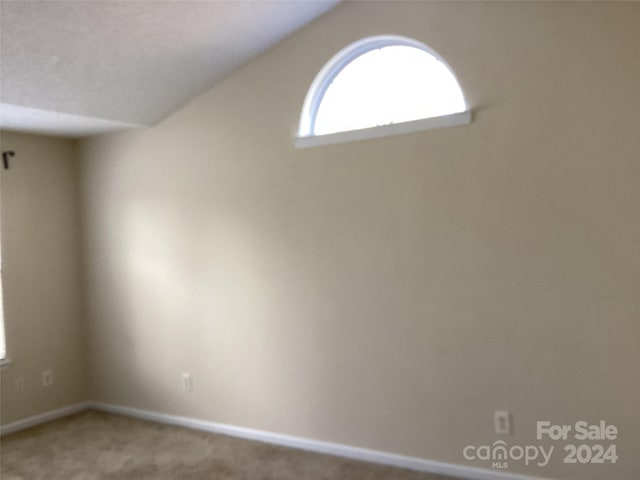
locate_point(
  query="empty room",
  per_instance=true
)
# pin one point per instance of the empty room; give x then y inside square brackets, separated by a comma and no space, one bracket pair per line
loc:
[319,240]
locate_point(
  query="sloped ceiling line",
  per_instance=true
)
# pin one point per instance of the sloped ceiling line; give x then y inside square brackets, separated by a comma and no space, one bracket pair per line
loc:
[81,68]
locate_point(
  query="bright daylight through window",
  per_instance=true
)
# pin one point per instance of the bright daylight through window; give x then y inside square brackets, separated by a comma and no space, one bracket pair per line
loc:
[3,345]
[382,81]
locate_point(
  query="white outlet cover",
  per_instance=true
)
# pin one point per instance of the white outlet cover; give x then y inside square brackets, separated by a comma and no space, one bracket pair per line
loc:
[187,382]
[47,378]
[502,422]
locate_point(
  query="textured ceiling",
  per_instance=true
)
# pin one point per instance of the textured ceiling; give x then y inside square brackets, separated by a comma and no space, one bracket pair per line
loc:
[82,67]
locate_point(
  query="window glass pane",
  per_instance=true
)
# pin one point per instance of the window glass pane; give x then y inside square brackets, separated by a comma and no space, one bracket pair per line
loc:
[3,348]
[3,345]
[388,85]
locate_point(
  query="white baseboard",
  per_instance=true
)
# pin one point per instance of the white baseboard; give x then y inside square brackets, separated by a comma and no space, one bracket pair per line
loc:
[345,451]
[43,418]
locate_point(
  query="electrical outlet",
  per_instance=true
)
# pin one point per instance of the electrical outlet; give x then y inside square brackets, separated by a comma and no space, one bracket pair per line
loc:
[502,422]
[47,378]
[187,382]
[20,384]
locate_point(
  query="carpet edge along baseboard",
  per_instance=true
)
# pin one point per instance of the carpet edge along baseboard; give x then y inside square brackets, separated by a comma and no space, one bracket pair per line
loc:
[339,450]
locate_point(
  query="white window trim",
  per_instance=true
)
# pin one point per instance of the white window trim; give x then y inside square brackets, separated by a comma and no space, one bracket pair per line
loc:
[452,120]
[306,136]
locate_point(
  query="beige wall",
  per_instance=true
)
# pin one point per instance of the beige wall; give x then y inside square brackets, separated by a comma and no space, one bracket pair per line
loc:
[41,276]
[387,294]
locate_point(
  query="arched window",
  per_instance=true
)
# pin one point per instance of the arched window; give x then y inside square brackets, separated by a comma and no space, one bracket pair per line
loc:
[381,86]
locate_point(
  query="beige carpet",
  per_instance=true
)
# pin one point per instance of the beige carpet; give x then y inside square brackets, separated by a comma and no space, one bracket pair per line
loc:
[99,446]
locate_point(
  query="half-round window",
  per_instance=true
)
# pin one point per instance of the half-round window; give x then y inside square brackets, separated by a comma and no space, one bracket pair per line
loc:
[377,83]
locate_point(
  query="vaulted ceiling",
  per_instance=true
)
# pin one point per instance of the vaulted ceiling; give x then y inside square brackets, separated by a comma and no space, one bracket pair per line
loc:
[77,68]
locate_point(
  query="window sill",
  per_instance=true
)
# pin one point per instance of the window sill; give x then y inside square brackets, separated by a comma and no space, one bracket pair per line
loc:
[453,120]
[5,362]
